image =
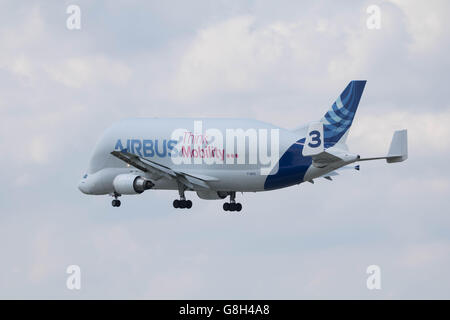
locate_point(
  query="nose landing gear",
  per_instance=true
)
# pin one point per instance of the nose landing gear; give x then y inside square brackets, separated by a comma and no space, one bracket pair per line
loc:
[116,202]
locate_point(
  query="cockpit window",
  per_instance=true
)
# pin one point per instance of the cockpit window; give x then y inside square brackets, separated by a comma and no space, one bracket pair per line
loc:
[85,176]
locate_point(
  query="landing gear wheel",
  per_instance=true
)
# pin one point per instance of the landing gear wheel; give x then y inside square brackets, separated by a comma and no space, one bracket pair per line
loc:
[232,206]
[116,203]
[182,204]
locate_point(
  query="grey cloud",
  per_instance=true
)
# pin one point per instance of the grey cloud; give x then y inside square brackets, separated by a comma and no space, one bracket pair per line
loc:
[308,241]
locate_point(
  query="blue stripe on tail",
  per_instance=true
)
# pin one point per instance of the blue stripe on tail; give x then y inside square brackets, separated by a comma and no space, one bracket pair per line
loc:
[339,118]
[292,165]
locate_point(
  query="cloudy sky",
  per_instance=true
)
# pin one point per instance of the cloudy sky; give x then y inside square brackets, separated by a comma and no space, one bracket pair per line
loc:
[283,62]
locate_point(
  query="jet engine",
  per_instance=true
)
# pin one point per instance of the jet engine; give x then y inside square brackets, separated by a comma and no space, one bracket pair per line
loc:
[131,184]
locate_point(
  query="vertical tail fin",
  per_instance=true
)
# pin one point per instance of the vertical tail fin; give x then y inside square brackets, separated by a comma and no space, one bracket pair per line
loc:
[339,118]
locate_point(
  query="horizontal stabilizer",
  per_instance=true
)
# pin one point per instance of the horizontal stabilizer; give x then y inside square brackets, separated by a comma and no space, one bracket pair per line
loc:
[398,151]
[333,155]
[334,173]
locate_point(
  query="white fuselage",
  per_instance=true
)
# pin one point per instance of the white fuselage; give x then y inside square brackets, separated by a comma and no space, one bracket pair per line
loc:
[245,166]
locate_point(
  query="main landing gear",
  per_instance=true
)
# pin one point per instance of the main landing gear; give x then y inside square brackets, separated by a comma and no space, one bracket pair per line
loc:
[232,205]
[116,202]
[182,203]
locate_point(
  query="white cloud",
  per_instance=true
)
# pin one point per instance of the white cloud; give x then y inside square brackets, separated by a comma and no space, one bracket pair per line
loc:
[44,135]
[29,32]
[243,54]
[237,55]
[22,66]
[39,149]
[426,22]
[428,132]
[89,71]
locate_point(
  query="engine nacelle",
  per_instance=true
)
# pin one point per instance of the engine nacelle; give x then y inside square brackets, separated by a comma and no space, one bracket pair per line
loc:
[131,184]
[212,195]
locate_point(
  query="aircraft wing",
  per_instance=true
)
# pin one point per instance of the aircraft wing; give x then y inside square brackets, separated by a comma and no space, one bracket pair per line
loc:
[157,171]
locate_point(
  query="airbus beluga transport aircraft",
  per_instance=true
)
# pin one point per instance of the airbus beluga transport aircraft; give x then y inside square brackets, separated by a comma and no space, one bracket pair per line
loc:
[217,158]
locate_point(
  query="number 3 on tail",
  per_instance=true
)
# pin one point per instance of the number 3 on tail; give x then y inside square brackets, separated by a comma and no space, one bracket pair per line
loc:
[315,139]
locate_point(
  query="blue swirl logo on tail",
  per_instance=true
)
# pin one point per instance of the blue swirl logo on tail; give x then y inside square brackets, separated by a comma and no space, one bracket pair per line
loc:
[293,166]
[339,118]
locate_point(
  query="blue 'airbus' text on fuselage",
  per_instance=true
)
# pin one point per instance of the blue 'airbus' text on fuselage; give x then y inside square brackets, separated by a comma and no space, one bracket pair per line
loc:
[146,147]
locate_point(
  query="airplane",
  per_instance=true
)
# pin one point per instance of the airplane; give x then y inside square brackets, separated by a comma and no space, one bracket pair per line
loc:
[217,158]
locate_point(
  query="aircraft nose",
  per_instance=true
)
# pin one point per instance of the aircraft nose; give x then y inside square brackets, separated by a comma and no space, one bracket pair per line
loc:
[82,186]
